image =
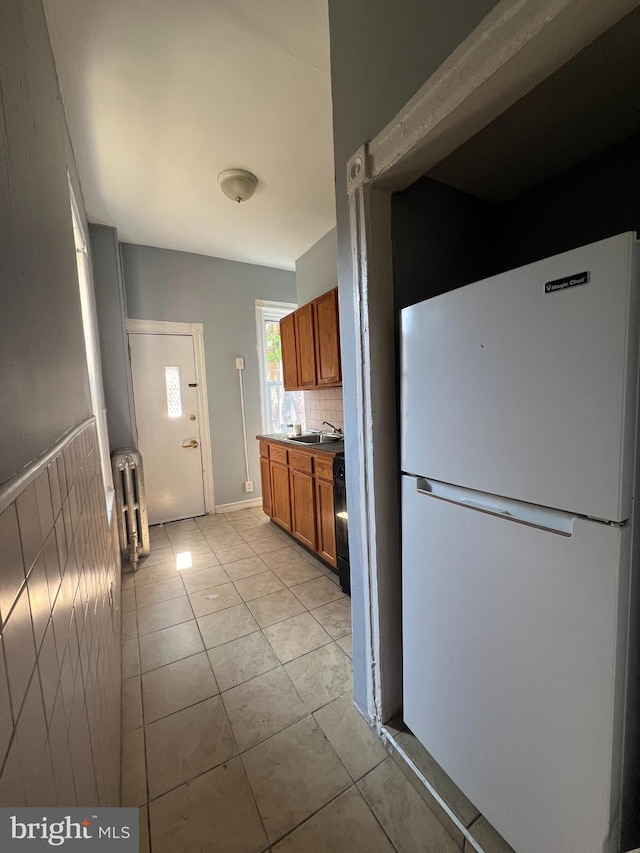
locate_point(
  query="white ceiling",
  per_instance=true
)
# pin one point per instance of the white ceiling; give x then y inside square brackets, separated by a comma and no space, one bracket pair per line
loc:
[162,95]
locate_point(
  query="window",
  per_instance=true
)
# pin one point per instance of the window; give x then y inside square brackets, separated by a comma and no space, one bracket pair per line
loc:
[279,407]
[174,400]
[91,342]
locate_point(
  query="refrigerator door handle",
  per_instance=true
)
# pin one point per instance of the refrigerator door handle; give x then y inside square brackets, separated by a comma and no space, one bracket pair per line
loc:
[544,518]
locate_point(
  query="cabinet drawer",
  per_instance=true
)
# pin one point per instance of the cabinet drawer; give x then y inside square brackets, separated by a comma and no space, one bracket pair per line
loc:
[277,453]
[301,461]
[264,448]
[324,466]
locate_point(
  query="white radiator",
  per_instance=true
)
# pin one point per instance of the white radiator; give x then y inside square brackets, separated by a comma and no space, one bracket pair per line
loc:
[130,504]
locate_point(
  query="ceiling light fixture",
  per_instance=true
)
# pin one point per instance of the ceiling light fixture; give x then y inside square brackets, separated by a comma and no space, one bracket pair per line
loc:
[237,184]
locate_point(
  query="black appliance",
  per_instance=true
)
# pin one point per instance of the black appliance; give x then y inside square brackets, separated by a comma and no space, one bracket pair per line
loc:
[342,521]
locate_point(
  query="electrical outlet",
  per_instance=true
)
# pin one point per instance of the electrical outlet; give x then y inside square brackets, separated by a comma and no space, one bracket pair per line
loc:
[248,485]
[240,363]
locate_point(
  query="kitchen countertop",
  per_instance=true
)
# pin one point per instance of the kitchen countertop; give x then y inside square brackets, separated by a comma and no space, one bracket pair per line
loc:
[331,447]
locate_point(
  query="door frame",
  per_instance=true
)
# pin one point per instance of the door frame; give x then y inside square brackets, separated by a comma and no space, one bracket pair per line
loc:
[514,48]
[195,331]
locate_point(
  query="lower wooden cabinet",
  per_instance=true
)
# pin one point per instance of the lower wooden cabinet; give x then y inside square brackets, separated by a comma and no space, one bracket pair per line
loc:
[265,478]
[297,493]
[303,515]
[325,519]
[280,501]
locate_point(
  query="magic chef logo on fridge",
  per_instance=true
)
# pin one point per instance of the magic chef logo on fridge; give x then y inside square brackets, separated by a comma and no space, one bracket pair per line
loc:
[568,281]
[42,829]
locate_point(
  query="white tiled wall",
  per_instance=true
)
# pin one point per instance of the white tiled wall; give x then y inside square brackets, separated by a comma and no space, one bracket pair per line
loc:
[323,405]
[60,637]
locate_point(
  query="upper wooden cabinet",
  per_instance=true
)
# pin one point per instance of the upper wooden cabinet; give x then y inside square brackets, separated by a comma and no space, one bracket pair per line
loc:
[310,341]
[305,346]
[327,339]
[288,349]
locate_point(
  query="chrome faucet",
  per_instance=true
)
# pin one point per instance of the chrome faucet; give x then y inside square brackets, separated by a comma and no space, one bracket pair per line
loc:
[334,428]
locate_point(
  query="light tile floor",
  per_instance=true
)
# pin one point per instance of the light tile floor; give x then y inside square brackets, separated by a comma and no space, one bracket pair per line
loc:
[239,731]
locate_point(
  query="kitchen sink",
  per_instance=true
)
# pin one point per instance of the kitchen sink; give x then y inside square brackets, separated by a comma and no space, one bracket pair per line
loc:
[317,438]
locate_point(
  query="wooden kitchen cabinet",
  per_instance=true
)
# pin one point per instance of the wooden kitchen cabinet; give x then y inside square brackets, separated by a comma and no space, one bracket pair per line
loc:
[327,339]
[288,350]
[303,516]
[310,342]
[305,346]
[265,478]
[280,499]
[297,494]
[326,522]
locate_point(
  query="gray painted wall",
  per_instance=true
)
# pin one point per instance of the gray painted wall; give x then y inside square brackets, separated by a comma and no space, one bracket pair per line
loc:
[45,393]
[45,386]
[432,221]
[111,309]
[317,269]
[602,194]
[162,284]
[381,53]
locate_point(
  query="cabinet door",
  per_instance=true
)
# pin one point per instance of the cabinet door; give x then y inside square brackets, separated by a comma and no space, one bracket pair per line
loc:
[280,500]
[303,519]
[288,349]
[305,346]
[265,478]
[327,339]
[326,520]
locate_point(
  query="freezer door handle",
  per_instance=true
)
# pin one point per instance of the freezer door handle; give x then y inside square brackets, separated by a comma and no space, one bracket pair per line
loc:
[544,518]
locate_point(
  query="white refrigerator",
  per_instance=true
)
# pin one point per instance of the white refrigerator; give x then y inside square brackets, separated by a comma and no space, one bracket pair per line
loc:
[518,450]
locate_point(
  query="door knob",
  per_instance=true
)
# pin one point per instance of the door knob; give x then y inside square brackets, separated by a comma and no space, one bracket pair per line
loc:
[193,443]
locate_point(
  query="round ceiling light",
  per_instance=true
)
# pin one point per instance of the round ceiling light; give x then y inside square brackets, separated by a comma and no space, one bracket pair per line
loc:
[237,184]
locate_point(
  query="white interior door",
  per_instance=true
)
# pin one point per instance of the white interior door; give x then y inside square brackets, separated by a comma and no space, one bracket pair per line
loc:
[165,390]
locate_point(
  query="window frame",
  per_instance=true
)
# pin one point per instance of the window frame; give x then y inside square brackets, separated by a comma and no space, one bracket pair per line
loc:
[267,312]
[86,292]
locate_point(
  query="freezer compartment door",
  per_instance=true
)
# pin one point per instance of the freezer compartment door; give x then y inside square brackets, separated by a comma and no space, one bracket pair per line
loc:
[514,388]
[513,655]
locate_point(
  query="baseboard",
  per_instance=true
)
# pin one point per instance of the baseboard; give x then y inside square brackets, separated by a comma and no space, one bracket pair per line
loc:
[234,507]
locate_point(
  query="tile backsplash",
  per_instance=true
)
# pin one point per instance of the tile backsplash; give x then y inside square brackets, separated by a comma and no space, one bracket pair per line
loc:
[60,634]
[323,405]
